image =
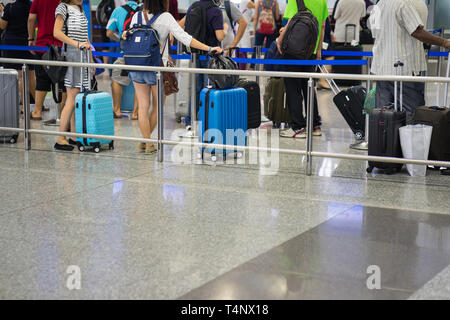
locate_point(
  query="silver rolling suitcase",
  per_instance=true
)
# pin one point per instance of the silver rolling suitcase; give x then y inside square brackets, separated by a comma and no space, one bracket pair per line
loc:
[9,104]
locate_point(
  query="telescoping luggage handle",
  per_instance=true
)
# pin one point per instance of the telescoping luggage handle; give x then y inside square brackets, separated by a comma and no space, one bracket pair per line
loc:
[85,51]
[333,85]
[397,65]
[346,32]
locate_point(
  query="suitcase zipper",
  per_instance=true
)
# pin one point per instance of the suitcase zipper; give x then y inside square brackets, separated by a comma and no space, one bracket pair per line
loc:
[84,118]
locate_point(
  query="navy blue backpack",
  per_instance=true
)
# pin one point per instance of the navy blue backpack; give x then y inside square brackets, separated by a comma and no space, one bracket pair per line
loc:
[141,44]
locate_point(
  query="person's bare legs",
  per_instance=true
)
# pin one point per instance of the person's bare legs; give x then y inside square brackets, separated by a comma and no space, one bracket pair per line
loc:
[67,114]
[134,115]
[20,89]
[143,96]
[322,82]
[32,83]
[39,102]
[117,97]
[153,117]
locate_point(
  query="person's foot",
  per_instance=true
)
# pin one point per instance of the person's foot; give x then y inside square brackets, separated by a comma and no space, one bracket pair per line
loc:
[117,115]
[63,147]
[134,116]
[317,131]
[35,116]
[141,146]
[289,133]
[150,148]
[323,85]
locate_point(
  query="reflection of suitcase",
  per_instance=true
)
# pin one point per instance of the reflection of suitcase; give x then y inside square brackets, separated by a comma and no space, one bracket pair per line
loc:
[439,119]
[350,103]
[181,105]
[223,116]
[275,106]
[384,135]
[9,104]
[348,69]
[253,102]
[93,115]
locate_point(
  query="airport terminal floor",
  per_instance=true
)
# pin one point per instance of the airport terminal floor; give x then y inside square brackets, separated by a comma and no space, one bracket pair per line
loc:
[140,229]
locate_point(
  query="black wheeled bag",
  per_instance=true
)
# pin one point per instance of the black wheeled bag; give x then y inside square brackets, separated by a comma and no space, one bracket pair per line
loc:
[384,134]
[350,104]
[253,102]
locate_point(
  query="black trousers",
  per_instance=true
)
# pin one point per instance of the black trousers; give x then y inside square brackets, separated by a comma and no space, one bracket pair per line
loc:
[296,98]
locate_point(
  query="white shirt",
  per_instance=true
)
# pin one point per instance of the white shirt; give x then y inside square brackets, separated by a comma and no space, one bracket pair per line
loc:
[247,13]
[398,20]
[166,24]
[348,12]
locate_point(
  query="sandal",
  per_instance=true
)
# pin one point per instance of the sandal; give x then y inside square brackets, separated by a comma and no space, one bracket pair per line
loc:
[151,149]
[35,118]
[63,147]
[117,117]
[141,146]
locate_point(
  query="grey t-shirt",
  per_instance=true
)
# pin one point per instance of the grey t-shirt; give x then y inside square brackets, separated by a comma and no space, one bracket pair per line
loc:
[236,15]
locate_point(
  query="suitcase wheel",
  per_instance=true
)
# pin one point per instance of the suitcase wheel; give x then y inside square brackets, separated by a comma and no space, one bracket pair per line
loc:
[13,139]
[111,145]
[213,158]
[97,149]
[199,156]
[359,135]
[81,148]
[239,155]
[369,169]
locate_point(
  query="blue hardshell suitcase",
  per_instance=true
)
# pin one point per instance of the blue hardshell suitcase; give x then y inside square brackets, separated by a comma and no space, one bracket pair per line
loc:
[222,110]
[94,115]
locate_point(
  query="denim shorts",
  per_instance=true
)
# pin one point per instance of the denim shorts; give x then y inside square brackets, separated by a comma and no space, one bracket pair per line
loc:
[143,77]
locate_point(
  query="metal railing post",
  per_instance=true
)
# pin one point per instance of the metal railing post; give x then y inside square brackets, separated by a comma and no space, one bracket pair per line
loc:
[441,34]
[193,99]
[160,116]
[258,66]
[26,108]
[309,125]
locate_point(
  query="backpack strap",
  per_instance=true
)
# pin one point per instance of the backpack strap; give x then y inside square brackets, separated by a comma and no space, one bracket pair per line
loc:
[301,5]
[128,9]
[152,20]
[139,19]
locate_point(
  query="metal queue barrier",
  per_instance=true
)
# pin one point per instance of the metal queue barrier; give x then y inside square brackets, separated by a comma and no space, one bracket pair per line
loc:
[161,142]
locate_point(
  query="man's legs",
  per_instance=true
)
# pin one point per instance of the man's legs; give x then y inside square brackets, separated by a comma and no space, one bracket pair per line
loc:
[317,122]
[43,85]
[294,100]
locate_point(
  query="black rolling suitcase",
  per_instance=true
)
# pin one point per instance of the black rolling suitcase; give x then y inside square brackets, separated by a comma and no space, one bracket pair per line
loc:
[439,118]
[384,135]
[350,103]
[348,69]
[253,102]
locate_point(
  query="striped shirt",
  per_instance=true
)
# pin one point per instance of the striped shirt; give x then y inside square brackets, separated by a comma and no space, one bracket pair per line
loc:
[77,23]
[394,42]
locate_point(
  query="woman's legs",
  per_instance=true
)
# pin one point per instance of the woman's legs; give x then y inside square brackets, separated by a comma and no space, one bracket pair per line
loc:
[153,118]
[143,97]
[67,116]
[32,83]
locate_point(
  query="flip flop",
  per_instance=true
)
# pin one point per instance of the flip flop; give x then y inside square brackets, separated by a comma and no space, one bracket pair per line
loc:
[35,118]
[117,117]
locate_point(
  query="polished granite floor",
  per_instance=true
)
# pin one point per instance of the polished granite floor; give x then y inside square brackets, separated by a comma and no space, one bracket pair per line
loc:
[137,228]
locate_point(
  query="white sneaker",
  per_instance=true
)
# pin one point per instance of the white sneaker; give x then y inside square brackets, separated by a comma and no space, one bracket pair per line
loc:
[264,118]
[289,133]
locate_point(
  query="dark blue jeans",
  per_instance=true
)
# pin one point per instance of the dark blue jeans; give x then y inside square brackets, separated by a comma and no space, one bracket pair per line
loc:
[259,41]
[202,82]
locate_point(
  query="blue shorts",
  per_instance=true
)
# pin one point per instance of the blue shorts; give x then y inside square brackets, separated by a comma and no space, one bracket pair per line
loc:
[143,77]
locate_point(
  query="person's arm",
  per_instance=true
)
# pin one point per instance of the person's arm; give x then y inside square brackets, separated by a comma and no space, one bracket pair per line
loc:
[240,32]
[31,26]
[59,34]
[423,35]
[182,22]
[277,9]
[251,5]
[3,23]
[280,38]
[110,34]
[319,48]
[255,16]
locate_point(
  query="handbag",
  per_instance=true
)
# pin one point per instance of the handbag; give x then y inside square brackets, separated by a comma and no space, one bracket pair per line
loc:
[56,73]
[170,80]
